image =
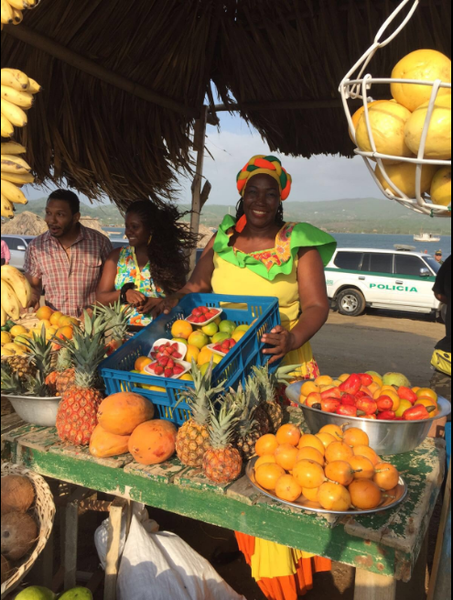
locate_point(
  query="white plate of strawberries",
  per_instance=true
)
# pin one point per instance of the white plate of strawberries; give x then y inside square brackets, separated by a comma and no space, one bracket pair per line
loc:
[175,350]
[202,315]
[223,348]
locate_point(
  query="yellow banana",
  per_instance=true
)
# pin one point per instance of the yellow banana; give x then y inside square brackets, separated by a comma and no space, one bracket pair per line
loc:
[22,99]
[7,15]
[18,16]
[19,4]
[14,113]
[10,302]
[18,178]
[14,164]
[15,79]
[34,86]
[7,208]
[13,193]
[7,127]
[4,317]
[18,282]
[13,148]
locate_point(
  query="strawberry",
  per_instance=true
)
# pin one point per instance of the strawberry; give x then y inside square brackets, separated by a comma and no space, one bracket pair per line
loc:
[168,373]
[170,364]
[204,310]
[177,356]
[178,370]
[163,361]
[158,370]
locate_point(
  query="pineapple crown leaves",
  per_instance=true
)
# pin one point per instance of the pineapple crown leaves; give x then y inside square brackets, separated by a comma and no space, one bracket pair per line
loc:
[36,386]
[222,423]
[247,400]
[200,398]
[116,317]
[40,349]
[11,383]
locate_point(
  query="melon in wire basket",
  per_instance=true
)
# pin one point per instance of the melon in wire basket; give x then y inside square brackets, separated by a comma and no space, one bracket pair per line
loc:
[43,511]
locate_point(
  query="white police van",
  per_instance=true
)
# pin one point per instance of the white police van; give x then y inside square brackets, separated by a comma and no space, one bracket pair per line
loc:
[392,279]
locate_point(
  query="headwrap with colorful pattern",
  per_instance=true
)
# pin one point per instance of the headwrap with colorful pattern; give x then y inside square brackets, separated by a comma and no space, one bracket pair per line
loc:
[268,165]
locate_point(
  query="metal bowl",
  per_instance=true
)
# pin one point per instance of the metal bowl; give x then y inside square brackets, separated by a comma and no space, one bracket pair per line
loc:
[302,503]
[386,437]
[38,411]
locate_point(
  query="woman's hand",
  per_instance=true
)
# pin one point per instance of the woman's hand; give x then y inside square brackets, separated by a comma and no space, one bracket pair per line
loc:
[149,305]
[283,342]
[166,305]
[135,299]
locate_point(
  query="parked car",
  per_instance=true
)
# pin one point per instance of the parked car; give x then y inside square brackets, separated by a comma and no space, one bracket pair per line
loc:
[390,279]
[17,245]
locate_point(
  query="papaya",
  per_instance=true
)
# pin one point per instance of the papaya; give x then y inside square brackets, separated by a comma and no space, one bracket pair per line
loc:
[122,413]
[104,444]
[153,442]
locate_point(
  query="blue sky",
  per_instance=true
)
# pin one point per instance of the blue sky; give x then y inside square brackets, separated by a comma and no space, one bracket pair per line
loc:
[319,178]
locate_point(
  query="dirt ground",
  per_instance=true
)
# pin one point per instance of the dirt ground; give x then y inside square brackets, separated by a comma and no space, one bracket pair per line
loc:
[380,341]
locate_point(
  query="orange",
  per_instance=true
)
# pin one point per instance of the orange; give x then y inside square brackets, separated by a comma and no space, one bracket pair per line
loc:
[368,453]
[323,380]
[363,467]
[267,444]
[340,472]
[288,489]
[44,313]
[193,353]
[55,318]
[64,321]
[326,438]
[308,388]
[47,324]
[311,495]
[141,363]
[186,377]
[427,402]
[66,332]
[181,329]
[344,377]
[267,475]
[311,454]
[286,456]
[332,496]
[302,399]
[265,460]
[356,437]
[416,389]
[309,474]
[311,441]
[334,430]
[427,393]
[338,451]
[387,477]
[374,387]
[198,339]
[206,355]
[289,434]
[365,494]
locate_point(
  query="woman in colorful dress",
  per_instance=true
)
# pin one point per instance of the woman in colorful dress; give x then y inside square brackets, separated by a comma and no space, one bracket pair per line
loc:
[153,265]
[259,254]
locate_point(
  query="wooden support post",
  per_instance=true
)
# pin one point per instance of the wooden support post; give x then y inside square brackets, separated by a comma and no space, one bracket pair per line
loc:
[113,548]
[440,584]
[369,586]
[199,144]
[70,541]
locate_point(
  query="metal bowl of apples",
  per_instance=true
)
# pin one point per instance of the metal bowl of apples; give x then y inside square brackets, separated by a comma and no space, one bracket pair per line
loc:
[387,437]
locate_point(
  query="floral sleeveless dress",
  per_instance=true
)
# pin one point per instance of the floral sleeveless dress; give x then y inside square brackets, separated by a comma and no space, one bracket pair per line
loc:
[129,272]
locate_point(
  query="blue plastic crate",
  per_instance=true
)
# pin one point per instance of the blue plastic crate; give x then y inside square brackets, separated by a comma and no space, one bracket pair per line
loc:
[261,313]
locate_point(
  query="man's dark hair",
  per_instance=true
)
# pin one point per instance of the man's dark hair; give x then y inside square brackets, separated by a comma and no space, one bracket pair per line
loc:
[66,196]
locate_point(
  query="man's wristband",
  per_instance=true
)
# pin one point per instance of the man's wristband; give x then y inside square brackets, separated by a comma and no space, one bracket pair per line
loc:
[124,290]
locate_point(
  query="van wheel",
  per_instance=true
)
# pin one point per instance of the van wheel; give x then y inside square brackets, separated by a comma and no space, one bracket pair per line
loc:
[351,303]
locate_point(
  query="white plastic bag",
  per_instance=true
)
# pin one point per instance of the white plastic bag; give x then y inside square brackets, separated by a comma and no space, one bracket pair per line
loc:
[163,567]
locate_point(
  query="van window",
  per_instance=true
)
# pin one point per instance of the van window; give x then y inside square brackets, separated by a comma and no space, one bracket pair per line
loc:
[13,243]
[381,263]
[408,265]
[350,261]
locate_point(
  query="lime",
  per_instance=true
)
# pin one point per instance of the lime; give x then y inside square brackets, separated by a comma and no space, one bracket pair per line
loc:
[36,592]
[210,329]
[220,337]
[227,327]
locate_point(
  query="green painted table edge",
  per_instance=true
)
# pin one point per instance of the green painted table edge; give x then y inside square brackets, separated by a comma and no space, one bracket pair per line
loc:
[385,544]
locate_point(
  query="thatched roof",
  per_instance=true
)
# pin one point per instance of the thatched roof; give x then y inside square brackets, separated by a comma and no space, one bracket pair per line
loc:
[28,223]
[125,138]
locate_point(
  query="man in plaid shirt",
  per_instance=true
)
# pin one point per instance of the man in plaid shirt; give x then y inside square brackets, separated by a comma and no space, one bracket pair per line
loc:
[67,260]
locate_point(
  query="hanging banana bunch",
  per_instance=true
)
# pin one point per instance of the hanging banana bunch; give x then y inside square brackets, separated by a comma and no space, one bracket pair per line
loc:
[13,10]
[15,293]
[17,96]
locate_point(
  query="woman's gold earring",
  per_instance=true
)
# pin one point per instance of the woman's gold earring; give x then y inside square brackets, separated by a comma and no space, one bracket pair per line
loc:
[150,239]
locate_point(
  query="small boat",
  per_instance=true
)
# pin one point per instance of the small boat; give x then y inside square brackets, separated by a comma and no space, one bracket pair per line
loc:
[426,237]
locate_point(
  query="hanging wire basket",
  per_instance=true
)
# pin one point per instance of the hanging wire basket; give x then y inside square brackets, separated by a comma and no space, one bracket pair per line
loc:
[357,85]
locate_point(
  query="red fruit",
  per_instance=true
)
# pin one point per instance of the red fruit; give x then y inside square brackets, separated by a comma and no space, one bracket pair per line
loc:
[204,310]
[177,356]
[330,405]
[387,415]
[233,343]
[347,410]
[178,370]
[406,393]
[158,370]
[196,312]
[163,361]
[384,403]
[348,400]
[313,399]
[352,385]
[418,413]
[367,405]
[366,379]
[168,373]
[332,393]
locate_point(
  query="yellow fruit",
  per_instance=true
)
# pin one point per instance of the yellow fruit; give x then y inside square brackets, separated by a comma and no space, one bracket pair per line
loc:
[358,113]
[344,377]
[141,363]
[205,356]
[387,122]
[308,388]
[192,354]
[238,335]
[441,187]
[210,330]
[324,380]
[427,393]
[18,330]
[438,142]
[423,65]
[198,339]
[6,338]
[186,377]
[65,321]
[181,329]
[404,176]
[44,313]
[6,352]
[55,318]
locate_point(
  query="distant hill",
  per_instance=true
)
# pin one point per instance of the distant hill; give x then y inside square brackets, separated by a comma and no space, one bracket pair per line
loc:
[366,215]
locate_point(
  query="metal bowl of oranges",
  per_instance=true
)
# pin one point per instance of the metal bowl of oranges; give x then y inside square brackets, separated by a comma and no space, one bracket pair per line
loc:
[387,437]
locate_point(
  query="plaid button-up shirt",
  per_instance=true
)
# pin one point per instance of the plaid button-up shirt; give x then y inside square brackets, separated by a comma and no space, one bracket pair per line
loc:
[69,281]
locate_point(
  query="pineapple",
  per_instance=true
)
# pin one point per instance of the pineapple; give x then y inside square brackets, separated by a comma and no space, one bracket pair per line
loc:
[77,413]
[268,384]
[192,440]
[116,318]
[253,422]
[62,378]
[222,463]
[12,384]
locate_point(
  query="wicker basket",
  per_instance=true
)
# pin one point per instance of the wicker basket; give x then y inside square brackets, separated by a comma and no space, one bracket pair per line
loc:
[44,513]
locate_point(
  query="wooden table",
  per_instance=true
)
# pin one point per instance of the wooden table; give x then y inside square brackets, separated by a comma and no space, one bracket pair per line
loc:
[384,548]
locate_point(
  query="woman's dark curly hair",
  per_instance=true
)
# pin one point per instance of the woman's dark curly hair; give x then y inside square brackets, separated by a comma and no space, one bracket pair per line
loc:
[171,245]
[279,219]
